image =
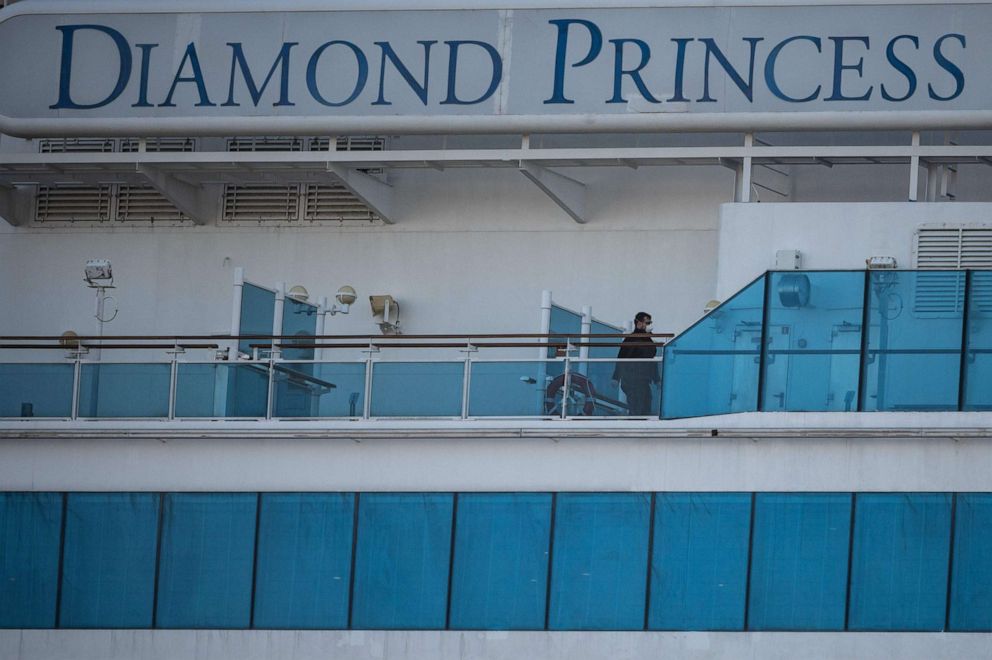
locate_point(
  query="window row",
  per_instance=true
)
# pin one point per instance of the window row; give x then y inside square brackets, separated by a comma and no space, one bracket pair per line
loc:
[503,561]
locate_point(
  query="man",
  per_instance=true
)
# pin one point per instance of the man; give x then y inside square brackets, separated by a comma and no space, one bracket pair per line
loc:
[636,377]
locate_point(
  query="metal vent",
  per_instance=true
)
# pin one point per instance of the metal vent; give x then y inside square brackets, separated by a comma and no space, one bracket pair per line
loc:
[260,203]
[75,145]
[333,202]
[171,145]
[349,143]
[145,204]
[72,203]
[938,295]
[266,144]
[966,246]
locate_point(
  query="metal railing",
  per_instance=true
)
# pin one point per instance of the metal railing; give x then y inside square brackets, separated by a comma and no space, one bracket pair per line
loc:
[269,385]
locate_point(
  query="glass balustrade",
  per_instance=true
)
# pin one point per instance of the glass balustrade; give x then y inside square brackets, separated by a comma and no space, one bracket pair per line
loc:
[831,341]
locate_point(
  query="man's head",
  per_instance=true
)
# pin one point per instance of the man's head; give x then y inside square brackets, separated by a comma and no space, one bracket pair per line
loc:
[642,322]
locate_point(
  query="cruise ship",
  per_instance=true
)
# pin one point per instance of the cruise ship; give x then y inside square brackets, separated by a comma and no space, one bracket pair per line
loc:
[324,329]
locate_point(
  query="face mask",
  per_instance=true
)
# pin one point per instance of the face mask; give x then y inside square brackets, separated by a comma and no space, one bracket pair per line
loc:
[648,327]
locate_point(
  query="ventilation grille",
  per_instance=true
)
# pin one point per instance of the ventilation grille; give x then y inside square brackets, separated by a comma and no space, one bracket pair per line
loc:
[266,144]
[71,203]
[261,203]
[333,202]
[349,143]
[120,202]
[171,145]
[76,145]
[954,247]
[145,204]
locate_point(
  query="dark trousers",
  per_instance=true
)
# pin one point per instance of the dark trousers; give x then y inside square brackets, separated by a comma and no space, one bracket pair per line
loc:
[638,397]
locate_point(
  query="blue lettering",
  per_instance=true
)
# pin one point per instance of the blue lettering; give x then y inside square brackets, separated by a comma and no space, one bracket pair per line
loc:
[595,46]
[65,75]
[197,78]
[389,54]
[497,75]
[619,72]
[238,61]
[770,80]
[146,50]
[840,68]
[901,67]
[679,96]
[948,66]
[712,49]
[360,79]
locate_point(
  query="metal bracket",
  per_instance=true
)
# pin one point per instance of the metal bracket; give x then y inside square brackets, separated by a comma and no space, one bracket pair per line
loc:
[197,202]
[375,194]
[568,194]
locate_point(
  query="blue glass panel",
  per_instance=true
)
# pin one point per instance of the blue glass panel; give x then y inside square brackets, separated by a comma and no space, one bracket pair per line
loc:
[712,368]
[417,389]
[124,390]
[565,324]
[601,373]
[914,328]
[635,391]
[36,390]
[799,568]
[978,359]
[500,577]
[971,581]
[326,389]
[206,562]
[258,309]
[599,571]
[402,559]
[108,570]
[814,341]
[304,560]
[30,525]
[221,390]
[299,319]
[699,564]
[506,389]
[899,561]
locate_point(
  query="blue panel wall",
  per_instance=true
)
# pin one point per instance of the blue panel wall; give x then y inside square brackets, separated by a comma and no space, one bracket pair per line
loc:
[108,570]
[205,570]
[304,560]
[499,581]
[417,389]
[36,390]
[258,309]
[124,390]
[971,577]
[899,561]
[699,562]
[403,554]
[799,567]
[599,571]
[914,326]
[978,356]
[30,529]
[813,341]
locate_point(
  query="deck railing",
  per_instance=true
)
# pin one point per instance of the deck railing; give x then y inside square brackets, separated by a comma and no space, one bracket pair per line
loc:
[330,376]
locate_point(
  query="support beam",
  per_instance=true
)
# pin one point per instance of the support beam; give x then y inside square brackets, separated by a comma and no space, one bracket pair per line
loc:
[375,194]
[914,168]
[568,194]
[199,203]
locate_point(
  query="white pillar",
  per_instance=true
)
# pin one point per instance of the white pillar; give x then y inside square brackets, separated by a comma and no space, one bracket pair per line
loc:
[239,290]
[586,328]
[542,368]
[277,317]
[318,354]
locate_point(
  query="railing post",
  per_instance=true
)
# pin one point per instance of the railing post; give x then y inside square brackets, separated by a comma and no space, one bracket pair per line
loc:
[962,374]
[269,398]
[763,350]
[542,366]
[173,377]
[276,348]
[566,385]
[76,378]
[466,383]
[367,404]
[584,331]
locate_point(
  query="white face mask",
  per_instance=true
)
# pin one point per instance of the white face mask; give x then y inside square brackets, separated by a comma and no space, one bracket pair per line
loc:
[648,327]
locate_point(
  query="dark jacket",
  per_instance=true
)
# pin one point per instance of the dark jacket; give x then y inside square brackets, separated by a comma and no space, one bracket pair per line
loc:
[637,345]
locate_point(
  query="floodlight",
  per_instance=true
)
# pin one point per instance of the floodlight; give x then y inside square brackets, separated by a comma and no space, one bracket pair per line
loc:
[98,271]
